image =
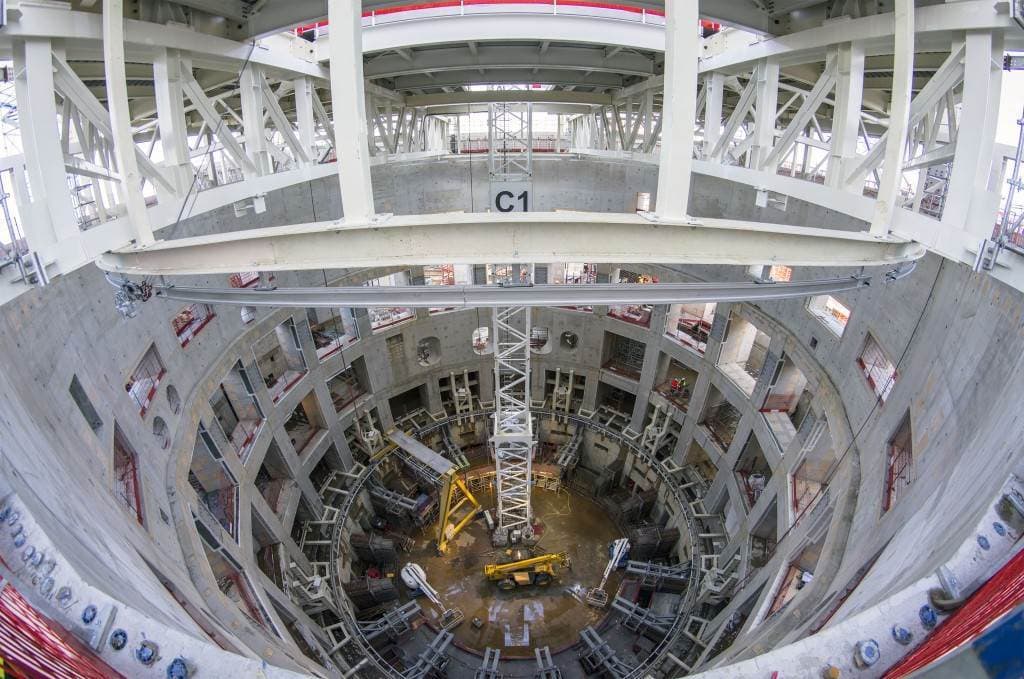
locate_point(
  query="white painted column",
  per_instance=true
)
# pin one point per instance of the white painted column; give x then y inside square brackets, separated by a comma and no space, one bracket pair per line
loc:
[713,112]
[254,129]
[121,121]
[303,88]
[50,218]
[348,96]
[975,138]
[679,110]
[846,121]
[170,108]
[899,119]
[767,75]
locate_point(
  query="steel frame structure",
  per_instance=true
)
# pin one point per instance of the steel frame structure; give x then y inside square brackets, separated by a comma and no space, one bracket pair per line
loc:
[513,438]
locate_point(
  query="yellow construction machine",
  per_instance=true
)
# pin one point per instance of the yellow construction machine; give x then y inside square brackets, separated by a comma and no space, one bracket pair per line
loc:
[537,570]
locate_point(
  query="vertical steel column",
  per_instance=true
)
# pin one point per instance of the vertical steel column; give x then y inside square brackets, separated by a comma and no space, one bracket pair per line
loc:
[251,88]
[170,116]
[304,116]
[678,110]
[767,107]
[899,118]
[121,121]
[715,84]
[846,121]
[348,97]
[969,178]
[50,219]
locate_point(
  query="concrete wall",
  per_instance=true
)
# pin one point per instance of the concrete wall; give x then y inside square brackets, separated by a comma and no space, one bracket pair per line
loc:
[958,335]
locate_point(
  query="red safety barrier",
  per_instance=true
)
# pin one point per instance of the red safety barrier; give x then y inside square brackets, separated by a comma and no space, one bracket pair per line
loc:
[1003,592]
[34,647]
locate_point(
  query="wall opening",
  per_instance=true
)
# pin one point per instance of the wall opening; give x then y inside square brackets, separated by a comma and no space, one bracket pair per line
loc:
[237,411]
[144,380]
[332,330]
[126,475]
[190,321]
[623,356]
[382,318]
[85,405]
[347,385]
[690,324]
[877,369]
[482,344]
[899,468]
[274,481]
[215,487]
[720,418]
[752,471]
[743,353]
[832,313]
[428,351]
[305,424]
[279,359]
[408,402]
[675,382]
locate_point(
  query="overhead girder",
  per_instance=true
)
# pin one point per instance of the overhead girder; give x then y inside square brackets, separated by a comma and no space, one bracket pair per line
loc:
[472,296]
[751,15]
[488,57]
[559,77]
[470,238]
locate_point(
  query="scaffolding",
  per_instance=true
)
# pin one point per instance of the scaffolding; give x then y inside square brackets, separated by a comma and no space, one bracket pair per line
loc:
[489,665]
[546,668]
[599,658]
[513,427]
[510,138]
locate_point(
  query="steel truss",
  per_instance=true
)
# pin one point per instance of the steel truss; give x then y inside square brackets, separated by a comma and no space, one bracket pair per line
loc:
[510,137]
[513,427]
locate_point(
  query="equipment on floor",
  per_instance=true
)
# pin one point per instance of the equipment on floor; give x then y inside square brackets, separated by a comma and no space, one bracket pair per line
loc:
[596,596]
[537,570]
[416,580]
[436,469]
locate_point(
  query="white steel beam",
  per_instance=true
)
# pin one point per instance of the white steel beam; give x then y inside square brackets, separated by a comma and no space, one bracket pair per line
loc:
[304,116]
[463,238]
[255,134]
[349,107]
[69,84]
[679,110]
[170,105]
[766,77]
[477,296]
[215,125]
[846,111]
[899,119]
[975,137]
[49,220]
[281,122]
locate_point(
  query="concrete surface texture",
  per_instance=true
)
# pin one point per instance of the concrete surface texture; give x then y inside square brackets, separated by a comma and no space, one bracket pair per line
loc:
[953,336]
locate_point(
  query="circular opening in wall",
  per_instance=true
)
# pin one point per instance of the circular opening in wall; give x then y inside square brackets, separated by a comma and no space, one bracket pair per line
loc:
[482,341]
[540,339]
[173,399]
[569,340]
[428,351]
[161,432]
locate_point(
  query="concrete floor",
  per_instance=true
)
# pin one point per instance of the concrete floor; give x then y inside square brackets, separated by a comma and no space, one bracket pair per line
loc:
[517,621]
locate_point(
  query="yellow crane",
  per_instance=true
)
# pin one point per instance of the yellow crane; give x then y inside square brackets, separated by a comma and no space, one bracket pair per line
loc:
[537,570]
